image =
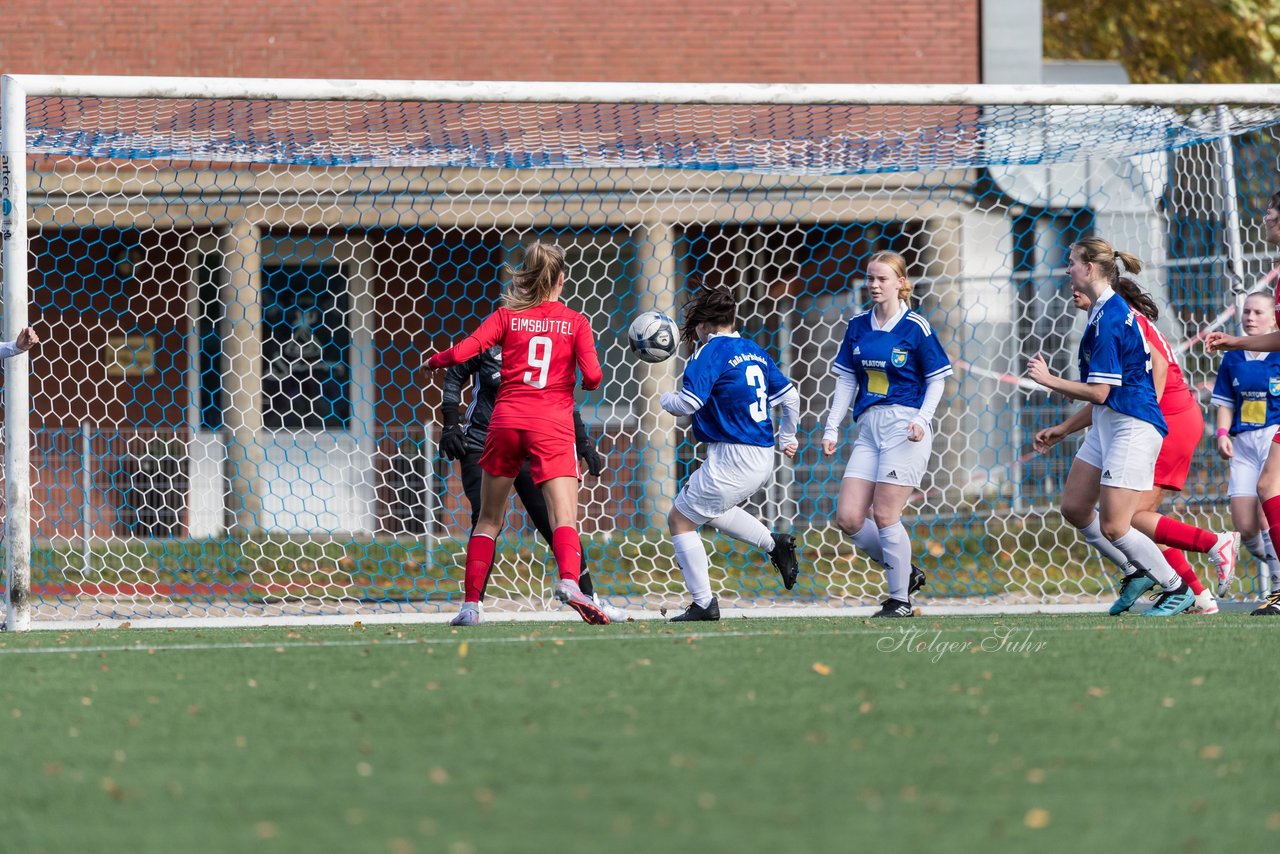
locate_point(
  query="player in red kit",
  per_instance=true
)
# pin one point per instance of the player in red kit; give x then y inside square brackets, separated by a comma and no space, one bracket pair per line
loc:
[544,346]
[1269,342]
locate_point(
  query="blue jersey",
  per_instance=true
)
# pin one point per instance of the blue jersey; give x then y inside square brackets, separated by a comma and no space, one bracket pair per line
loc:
[892,365]
[1114,352]
[1250,388]
[734,384]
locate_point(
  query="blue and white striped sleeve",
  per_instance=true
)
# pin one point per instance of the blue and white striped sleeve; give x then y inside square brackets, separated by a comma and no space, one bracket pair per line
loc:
[843,365]
[1105,364]
[934,363]
[1222,392]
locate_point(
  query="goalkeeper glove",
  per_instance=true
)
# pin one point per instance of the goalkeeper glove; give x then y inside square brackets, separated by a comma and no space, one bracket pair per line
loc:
[593,459]
[453,443]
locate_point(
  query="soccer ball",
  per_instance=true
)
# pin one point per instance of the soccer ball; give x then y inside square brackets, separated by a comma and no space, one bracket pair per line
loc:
[653,337]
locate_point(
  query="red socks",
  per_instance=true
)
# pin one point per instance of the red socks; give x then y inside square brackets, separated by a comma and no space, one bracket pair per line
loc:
[479,560]
[564,544]
[568,551]
[1180,535]
[1178,561]
[1271,509]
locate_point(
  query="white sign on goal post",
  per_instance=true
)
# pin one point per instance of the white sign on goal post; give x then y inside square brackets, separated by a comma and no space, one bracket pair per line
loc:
[239,276]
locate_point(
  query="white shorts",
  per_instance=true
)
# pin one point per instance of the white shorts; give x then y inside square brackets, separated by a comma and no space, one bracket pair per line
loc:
[882,453]
[730,475]
[1249,452]
[1124,447]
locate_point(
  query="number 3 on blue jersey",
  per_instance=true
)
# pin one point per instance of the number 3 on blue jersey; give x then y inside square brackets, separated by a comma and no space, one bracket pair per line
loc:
[755,378]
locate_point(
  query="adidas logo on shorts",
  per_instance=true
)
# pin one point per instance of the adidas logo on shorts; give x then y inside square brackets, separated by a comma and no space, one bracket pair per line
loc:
[892,474]
[1107,474]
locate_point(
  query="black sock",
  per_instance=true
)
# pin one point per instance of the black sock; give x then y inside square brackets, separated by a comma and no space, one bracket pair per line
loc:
[584,583]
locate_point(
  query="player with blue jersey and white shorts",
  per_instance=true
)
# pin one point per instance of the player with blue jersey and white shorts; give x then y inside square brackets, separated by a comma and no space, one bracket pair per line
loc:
[892,369]
[1116,463]
[1263,342]
[730,385]
[1247,396]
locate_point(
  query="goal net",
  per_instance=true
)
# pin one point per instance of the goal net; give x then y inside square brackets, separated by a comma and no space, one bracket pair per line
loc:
[236,283]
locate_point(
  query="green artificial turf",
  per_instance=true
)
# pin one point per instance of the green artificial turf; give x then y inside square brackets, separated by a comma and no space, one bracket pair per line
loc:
[972,734]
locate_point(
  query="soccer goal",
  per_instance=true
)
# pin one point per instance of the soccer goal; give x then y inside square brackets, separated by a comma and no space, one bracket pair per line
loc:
[235,282]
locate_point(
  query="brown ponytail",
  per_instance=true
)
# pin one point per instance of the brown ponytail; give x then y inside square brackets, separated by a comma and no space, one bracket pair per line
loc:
[1138,299]
[536,280]
[1108,259]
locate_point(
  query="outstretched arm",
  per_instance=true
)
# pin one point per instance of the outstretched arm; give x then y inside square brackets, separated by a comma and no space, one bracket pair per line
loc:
[1269,343]
[27,338]
[680,403]
[485,336]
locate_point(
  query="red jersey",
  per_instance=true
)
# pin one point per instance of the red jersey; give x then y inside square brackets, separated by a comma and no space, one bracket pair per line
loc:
[543,348]
[1272,277]
[1177,395]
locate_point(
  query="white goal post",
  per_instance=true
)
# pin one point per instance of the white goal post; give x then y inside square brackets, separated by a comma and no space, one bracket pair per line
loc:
[235,280]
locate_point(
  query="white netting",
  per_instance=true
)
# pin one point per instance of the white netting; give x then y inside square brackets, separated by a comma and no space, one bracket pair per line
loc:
[817,140]
[236,296]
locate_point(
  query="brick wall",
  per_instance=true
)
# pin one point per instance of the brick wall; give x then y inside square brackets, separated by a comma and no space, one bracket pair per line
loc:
[801,41]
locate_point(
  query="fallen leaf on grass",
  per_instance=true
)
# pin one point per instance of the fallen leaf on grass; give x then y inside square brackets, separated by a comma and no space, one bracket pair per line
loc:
[821,669]
[462,650]
[1037,818]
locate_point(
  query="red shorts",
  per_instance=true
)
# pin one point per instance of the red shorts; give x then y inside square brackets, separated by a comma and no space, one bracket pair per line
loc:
[1186,428]
[549,454]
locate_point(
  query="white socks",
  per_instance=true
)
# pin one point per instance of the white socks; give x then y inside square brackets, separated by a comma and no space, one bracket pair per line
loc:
[897,559]
[692,557]
[1093,536]
[1260,546]
[1272,562]
[741,525]
[867,539]
[1142,552]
